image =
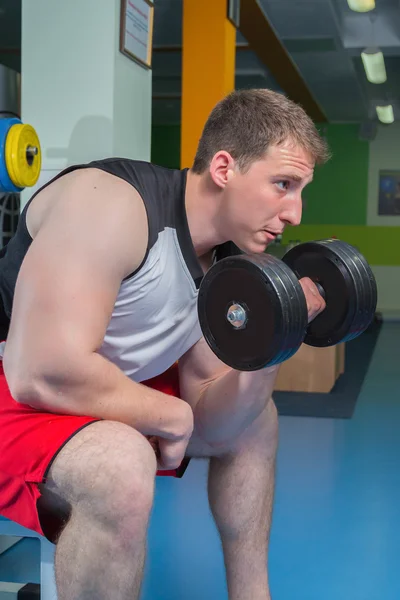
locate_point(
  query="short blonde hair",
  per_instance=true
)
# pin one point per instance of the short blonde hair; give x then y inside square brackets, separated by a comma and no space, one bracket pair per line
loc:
[246,122]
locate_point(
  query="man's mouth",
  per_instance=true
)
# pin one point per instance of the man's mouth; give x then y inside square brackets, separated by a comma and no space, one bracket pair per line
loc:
[272,234]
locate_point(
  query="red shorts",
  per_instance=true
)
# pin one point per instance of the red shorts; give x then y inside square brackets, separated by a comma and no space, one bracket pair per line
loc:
[29,442]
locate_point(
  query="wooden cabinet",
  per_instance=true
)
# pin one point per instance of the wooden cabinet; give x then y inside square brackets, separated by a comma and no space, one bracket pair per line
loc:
[312,369]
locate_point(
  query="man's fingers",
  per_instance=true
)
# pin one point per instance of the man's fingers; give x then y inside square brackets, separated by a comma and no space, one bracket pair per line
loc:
[171,453]
[315,302]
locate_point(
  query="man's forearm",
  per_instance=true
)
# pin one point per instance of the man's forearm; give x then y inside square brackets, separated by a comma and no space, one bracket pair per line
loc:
[93,386]
[232,402]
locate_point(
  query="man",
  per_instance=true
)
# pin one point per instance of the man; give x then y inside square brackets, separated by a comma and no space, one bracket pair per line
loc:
[103,305]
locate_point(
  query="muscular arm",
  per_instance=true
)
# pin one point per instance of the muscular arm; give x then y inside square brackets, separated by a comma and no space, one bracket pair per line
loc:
[218,394]
[93,237]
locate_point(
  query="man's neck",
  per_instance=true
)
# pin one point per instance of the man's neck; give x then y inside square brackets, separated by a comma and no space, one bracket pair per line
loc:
[202,204]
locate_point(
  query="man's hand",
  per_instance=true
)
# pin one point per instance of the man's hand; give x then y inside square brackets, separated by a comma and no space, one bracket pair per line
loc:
[315,302]
[170,448]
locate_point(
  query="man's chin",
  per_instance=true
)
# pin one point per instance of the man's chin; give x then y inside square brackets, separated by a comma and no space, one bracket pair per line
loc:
[253,245]
[256,248]
[262,244]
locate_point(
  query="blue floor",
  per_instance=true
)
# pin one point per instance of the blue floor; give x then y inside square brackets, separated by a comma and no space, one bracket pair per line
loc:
[336,527]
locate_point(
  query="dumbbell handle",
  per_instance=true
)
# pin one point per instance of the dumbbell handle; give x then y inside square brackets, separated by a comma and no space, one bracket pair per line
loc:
[320,289]
[237,314]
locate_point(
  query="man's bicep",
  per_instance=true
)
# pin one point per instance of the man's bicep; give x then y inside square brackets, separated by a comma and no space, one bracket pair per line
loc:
[62,292]
[197,369]
[69,279]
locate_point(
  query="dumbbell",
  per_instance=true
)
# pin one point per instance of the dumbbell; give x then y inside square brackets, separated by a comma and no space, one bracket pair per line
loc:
[253,311]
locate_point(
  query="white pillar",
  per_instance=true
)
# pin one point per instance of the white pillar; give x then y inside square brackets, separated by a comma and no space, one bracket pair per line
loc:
[85,99]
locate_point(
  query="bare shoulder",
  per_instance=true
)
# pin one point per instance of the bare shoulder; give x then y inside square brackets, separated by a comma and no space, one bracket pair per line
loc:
[82,190]
[95,211]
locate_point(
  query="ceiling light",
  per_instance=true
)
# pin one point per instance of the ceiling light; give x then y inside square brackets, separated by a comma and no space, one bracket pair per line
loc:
[361,5]
[374,65]
[385,114]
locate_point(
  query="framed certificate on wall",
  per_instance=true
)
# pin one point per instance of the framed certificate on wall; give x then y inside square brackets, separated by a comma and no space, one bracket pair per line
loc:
[389,193]
[136,33]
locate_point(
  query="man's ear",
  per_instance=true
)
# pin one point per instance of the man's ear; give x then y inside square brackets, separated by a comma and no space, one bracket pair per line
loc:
[222,168]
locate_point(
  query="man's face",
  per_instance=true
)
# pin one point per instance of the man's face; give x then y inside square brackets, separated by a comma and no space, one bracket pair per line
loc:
[258,204]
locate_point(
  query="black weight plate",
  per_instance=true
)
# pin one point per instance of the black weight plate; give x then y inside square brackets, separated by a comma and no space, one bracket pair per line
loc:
[366,287]
[349,285]
[324,267]
[274,304]
[365,299]
[295,318]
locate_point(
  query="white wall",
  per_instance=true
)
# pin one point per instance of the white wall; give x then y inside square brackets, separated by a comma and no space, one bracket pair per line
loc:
[388,282]
[67,70]
[85,99]
[132,104]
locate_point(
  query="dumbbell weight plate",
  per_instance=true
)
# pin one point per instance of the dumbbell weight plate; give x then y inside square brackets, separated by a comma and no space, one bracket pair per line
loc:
[349,286]
[273,324]
[368,293]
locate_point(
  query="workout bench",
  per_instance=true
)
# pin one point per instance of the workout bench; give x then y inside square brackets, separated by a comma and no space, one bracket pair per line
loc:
[10,534]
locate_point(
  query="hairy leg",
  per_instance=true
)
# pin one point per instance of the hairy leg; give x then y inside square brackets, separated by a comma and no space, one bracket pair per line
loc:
[241,489]
[101,484]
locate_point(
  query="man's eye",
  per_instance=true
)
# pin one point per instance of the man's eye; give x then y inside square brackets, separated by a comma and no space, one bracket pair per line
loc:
[284,184]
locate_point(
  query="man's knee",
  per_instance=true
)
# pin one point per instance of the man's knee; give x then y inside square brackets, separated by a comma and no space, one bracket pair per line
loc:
[123,488]
[106,472]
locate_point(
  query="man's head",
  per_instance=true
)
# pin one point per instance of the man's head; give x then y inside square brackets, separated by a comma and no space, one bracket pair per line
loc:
[259,149]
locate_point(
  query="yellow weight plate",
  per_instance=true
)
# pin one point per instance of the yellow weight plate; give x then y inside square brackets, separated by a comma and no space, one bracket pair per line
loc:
[23,155]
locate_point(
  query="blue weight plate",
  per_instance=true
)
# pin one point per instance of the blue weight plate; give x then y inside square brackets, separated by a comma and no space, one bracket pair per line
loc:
[6,185]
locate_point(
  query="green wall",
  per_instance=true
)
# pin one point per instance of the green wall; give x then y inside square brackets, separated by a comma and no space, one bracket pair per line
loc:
[166,145]
[379,245]
[339,191]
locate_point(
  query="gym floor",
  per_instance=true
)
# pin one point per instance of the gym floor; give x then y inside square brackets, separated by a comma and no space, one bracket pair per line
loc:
[336,528]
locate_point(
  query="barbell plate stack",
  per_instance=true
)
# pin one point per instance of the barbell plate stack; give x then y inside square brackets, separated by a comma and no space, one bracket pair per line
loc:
[266,305]
[349,286]
[23,155]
